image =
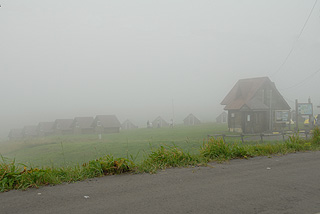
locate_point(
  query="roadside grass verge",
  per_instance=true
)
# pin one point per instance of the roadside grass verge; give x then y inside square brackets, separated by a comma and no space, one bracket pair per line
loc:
[18,176]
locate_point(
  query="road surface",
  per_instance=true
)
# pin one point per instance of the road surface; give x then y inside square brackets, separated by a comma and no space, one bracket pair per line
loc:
[280,184]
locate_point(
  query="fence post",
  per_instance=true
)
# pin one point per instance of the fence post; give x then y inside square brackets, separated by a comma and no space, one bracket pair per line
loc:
[223,138]
[283,135]
[242,138]
[261,136]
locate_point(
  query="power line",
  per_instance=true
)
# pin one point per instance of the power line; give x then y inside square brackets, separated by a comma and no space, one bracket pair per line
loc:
[303,81]
[293,46]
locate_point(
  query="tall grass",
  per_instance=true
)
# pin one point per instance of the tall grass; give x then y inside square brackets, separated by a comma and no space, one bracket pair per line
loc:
[18,176]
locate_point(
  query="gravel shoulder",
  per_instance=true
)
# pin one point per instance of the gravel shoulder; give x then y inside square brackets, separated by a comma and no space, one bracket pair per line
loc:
[280,184]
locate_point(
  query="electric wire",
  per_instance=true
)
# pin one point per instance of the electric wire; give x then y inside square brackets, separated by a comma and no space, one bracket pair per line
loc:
[303,81]
[294,44]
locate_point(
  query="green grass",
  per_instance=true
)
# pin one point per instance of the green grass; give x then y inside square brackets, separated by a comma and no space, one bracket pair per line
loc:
[19,176]
[78,149]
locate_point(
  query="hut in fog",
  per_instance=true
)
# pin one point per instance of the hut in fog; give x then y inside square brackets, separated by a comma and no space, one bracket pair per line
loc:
[63,126]
[159,122]
[222,118]
[30,131]
[15,134]
[83,125]
[106,124]
[45,128]
[191,120]
[251,105]
[128,125]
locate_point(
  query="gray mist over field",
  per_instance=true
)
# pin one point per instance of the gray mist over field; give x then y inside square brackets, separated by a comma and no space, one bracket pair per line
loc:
[146,58]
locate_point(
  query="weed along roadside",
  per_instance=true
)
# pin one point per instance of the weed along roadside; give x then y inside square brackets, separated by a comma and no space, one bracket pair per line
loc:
[18,176]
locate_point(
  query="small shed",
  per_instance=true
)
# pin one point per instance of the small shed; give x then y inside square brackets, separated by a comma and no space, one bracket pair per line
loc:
[15,134]
[222,118]
[63,126]
[83,125]
[251,105]
[45,128]
[106,124]
[191,120]
[128,125]
[159,122]
[30,131]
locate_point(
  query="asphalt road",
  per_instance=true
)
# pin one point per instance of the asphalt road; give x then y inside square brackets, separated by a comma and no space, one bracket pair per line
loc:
[284,184]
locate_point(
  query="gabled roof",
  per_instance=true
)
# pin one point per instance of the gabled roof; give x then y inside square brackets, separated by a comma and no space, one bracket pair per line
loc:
[63,124]
[244,91]
[83,122]
[108,121]
[191,116]
[159,119]
[45,126]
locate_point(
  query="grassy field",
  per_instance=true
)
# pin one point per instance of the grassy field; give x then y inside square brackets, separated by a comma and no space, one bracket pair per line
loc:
[132,144]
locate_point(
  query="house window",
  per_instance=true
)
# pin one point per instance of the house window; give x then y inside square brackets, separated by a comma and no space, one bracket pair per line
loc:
[248,117]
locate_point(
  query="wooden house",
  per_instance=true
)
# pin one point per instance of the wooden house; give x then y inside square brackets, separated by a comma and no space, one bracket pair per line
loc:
[159,122]
[251,105]
[222,118]
[15,134]
[30,131]
[128,125]
[106,124]
[63,126]
[45,128]
[83,125]
[191,120]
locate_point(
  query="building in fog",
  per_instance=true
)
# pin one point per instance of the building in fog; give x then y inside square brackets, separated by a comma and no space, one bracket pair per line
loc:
[15,134]
[159,122]
[251,105]
[63,127]
[128,125]
[45,128]
[222,118]
[30,131]
[83,125]
[191,120]
[106,124]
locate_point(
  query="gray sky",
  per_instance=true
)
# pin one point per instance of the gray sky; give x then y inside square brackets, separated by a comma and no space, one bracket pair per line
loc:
[61,59]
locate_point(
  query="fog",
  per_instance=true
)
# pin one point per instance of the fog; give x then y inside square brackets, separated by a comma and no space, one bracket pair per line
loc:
[142,59]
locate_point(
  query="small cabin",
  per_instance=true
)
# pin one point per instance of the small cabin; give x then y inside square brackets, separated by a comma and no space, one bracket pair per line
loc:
[252,105]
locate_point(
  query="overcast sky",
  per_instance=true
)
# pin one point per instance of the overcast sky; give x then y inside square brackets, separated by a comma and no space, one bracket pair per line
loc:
[134,59]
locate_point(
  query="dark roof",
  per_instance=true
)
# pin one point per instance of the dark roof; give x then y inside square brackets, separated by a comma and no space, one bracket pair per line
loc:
[63,124]
[83,122]
[244,91]
[45,126]
[108,121]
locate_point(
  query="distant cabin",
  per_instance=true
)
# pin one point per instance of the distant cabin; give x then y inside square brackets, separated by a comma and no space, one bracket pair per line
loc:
[30,131]
[45,128]
[83,125]
[222,118]
[15,134]
[251,105]
[126,125]
[159,122]
[63,127]
[191,120]
[106,124]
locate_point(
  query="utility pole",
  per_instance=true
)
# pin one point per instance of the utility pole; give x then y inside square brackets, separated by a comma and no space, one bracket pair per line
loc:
[297,116]
[270,116]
